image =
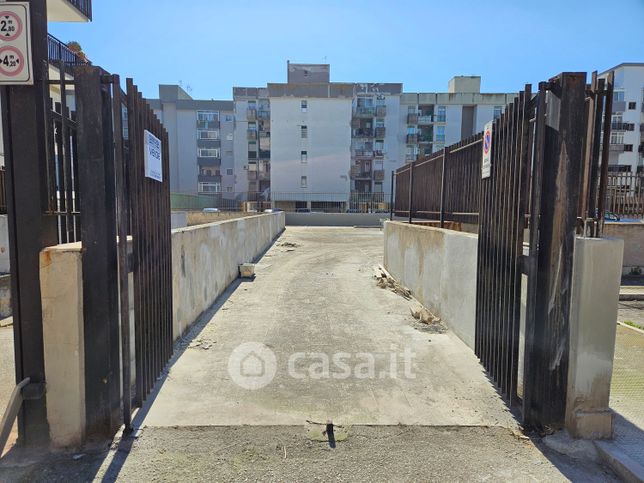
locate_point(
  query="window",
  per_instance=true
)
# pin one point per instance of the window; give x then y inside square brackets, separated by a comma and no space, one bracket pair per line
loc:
[229,189]
[632,105]
[628,147]
[498,110]
[303,182]
[252,126]
[209,187]
[380,123]
[441,115]
[378,187]
[229,137]
[617,137]
[208,152]
[304,156]
[229,171]
[440,134]
[411,130]
[412,110]
[229,118]
[618,96]
[205,134]
[304,132]
[304,106]
[208,116]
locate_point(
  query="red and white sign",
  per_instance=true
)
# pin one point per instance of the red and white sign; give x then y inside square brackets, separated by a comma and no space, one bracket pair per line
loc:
[15,44]
[486,165]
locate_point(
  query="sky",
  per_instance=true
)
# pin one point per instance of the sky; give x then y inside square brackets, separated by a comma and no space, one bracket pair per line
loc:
[213,45]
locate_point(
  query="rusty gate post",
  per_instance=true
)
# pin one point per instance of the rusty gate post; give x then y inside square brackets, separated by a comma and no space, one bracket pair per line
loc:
[100,266]
[24,110]
[442,202]
[547,328]
[411,191]
[391,195]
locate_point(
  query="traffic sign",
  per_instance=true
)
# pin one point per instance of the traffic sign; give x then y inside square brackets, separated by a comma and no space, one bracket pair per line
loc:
[486,165]
[15,44]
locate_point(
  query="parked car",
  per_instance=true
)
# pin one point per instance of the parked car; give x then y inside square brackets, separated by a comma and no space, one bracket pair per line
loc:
[303,210]
[353,210]
[273,210]
[210,210]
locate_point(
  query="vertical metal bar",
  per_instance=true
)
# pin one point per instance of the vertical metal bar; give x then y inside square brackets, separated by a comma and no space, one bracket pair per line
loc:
[391,195]
[442,201]
[610,83]
[123,212]
[411,191]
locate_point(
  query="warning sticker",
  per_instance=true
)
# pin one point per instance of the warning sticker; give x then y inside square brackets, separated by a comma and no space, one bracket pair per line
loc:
[15,44]
[486,165]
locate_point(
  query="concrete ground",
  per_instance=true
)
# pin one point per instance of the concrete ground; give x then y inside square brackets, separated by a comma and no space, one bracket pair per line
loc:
[314,296]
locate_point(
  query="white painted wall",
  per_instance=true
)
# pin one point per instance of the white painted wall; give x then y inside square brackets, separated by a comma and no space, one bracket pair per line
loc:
[328,145]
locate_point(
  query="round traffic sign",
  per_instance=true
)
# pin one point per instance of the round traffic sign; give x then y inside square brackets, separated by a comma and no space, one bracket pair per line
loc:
[10,26]
[11,61]
[487,141]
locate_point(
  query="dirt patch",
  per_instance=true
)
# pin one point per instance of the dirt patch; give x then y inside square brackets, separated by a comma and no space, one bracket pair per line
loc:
[386,281]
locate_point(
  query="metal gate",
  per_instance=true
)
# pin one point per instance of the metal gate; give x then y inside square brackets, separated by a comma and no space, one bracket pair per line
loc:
[549,166]
[137,209]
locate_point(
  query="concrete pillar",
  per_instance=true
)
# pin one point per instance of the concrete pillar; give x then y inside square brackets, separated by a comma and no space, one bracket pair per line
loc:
[597,269]
[61,285]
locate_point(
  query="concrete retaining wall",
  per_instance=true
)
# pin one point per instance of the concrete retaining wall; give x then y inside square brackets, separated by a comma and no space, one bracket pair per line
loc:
[439,267]
[633,236]
[206,258]
[205,261]
[4,245]
[335,219]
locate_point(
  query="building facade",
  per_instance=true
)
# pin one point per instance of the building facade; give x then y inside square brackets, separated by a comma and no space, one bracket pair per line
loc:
[201,141]
[626,152]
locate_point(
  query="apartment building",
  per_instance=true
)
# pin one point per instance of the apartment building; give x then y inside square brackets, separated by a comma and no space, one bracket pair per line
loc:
[432,120]
[626,152]
[311,140]
[201,141]
[252,141]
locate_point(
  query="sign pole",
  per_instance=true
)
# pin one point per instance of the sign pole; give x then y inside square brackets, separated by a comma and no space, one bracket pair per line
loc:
[24,110]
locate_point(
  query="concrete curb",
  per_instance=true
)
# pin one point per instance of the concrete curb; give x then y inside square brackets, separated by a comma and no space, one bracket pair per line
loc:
[631,292]
[630,297]
[627,468]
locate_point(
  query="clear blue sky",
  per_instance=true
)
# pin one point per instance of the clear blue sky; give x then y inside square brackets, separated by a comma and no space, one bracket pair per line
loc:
[213,45]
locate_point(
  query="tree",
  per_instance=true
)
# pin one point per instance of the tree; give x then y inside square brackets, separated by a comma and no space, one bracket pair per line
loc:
[78,50]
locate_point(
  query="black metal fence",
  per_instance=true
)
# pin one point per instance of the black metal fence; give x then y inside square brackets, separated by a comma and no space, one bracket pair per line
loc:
[546,182]
[625,195]
[3,192]
[444,186]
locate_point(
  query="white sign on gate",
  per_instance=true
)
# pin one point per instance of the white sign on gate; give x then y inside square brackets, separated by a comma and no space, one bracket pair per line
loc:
[15,44]
[486,165]
[153,164]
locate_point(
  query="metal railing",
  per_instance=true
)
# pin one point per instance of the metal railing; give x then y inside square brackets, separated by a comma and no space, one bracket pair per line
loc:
[354,202]
[83,6]
[3,192]
[59,52]
[625,194]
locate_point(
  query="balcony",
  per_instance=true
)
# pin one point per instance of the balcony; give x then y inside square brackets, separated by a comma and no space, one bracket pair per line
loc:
[264,134]
[412,138]
[254,175]
[69,10]
[381,111]
[358,173]
[423,120]
[264,154]
[208,161]
[251,134]
[412,118]
[380,132]
[251,114]
[379,175]
[617,148]
[363,133]
[425,138]
[623,126]
[365,111]
[209,178]
[642,127]
[379,153]
[440,119]
[410,157]
[264,115]
[207,124]
[363,154]
[57,52]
